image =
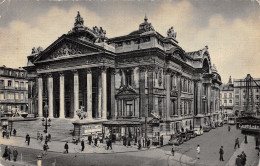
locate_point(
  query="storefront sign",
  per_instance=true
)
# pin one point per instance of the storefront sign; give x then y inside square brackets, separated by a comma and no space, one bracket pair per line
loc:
[92,129]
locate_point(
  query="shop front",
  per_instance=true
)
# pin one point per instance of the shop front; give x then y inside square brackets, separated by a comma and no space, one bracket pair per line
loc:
[119,130]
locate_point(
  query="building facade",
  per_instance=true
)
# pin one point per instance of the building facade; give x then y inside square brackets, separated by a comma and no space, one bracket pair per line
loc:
[240,101]
[134,77]
[13,89]
[227,98]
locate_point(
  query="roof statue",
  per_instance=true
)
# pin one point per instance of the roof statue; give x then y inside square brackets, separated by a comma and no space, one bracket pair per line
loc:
[145,26]
[34,50]
[171,33]
[78,20]
[230,80]
[214,68]
[101,33]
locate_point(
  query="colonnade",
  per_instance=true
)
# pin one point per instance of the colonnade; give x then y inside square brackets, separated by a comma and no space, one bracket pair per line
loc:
[102,94]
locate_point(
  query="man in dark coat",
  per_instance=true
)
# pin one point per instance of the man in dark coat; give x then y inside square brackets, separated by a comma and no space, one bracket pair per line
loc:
[9,153]
[229,128]
[161,140]
[14,132]
[236,143]
[89,139]
[15,154]
[66,147]
[243,158]
[221,153]
[82,145]
[28,140]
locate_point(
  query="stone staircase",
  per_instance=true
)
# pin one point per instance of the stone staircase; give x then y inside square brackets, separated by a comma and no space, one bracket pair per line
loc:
[60,129]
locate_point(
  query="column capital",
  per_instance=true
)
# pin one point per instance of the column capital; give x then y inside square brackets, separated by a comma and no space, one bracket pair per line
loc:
[61,73]
[88,70]
[103,68]
[39,75]
[113,71]
[49,75]
[75,71]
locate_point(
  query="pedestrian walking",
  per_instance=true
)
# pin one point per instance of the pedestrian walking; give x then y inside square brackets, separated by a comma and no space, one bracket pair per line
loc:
[3,134]
[148,143]
[38,135]
[66,147]
[89,139]
[45,148]
[236,143]
[173,149]
[109,144]
[41,137]
[9,153]
[28,140]
[229,128]
[243,158]
[142,141]
[221,153]
[95,140]
[198,151]
[161,140]
[5,155]
[14,132]
[82,145]
[15,154]
[139,143]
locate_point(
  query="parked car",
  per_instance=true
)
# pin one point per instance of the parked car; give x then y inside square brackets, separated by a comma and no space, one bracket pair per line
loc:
[206,128]
[192,133]
[198,132]
[175,139]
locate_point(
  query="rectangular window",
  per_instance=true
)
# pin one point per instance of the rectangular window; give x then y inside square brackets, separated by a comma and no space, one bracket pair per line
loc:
[230,101]
[9,83]
[230,95]
[237,103]
[2,96]
[16,96]
[16,84]
[2,83]
[236,90]
[225,101]
[22,96]
[174,111]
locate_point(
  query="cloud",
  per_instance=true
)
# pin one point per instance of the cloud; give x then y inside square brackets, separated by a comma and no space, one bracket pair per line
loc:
[233,44]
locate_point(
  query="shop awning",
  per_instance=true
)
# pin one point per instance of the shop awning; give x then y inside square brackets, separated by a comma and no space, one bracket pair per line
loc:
[121,123]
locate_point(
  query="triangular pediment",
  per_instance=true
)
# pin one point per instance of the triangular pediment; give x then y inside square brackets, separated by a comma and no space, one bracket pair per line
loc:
[65,48]
[126,90]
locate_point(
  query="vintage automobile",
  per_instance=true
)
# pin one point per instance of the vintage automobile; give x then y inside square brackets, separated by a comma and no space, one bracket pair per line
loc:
[185,136]
[192,133]
[198,132]
[206,128]
[175,139]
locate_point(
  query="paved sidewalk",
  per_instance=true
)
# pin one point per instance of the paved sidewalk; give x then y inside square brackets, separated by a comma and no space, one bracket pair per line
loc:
[58,146]
[250,151]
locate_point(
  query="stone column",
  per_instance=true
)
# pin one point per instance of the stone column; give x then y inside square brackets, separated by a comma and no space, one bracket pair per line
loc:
[112,97]
[62,94]
[168,91]
[104,92]
[40,89]
[142,108]
[50,95]
[150,90]
[89,93]
[76,92]
[208,98]
[199,101]
[99,97]
[179,110]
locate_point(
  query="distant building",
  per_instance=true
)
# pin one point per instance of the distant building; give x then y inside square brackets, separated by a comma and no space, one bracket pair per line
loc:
[227,98]
[13,89]
[240,100]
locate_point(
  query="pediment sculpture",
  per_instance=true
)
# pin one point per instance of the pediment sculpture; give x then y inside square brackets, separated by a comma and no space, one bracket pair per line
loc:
[171,33]
[66,50]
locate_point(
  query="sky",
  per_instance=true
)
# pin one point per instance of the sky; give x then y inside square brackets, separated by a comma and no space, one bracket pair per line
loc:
[230,28]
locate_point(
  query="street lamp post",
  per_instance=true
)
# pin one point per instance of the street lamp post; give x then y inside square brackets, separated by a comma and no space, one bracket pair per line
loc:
[45,121]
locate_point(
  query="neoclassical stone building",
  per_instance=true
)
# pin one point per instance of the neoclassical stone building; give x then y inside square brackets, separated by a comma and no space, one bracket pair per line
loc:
[125,79]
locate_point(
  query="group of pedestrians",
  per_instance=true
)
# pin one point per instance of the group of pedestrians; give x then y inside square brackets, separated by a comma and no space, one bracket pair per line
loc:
[241,159]
[8,154]
[142,142]
[7,133]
